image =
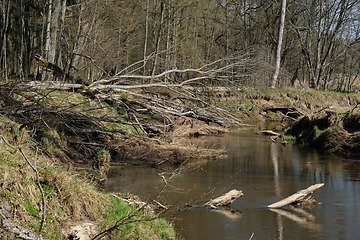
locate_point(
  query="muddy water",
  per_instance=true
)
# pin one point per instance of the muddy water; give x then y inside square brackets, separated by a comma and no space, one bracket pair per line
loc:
[266,172]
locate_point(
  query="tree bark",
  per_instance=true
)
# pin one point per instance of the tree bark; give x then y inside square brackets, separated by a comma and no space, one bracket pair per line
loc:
[279,44]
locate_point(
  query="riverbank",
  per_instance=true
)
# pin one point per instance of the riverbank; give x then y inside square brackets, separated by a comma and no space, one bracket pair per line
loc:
[41,198]
[75,137]
[330,130]
[327,121]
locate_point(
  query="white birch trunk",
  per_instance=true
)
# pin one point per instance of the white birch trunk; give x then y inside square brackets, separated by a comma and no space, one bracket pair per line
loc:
[279,44]
[48,31]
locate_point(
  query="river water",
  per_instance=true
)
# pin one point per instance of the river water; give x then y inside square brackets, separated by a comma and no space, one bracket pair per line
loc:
[265,172]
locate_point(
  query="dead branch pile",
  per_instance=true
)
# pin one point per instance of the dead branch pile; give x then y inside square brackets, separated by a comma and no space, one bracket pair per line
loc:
[155,113]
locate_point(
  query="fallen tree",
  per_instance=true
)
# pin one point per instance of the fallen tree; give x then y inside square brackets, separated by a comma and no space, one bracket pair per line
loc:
[155,97]
[297,197]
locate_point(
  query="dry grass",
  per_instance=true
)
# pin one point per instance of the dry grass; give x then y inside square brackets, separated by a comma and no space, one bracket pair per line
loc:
[69,199]
[186,127]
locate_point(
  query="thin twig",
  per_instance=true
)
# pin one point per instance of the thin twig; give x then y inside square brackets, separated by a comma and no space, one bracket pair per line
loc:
[7,143]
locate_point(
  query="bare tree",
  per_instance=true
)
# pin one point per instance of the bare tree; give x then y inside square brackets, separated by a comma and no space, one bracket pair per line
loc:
[5,24]
[146,31]
[279,43]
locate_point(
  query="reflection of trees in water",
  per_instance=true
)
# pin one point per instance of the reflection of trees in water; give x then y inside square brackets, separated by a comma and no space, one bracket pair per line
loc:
[275,160]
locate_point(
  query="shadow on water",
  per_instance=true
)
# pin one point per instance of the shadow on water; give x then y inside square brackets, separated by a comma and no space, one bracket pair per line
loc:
[266,172]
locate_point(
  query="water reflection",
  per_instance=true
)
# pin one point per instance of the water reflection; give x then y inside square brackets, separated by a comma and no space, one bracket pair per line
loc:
[274,158]
[266,172]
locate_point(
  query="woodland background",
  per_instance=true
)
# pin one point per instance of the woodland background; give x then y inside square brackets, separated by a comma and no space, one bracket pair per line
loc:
[97,39]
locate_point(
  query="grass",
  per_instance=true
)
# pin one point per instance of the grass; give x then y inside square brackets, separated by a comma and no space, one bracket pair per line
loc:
[139,222]
[288,138]
[318,132]
[70,200]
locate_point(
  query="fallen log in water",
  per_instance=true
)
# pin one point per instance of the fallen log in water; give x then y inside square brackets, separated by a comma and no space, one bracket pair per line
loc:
[296,197]
[225,199]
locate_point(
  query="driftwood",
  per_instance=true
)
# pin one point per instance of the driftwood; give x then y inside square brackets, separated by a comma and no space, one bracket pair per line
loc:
[296,197]
[225,199]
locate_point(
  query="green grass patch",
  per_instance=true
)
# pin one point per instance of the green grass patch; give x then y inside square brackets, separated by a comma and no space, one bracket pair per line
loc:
[135,223]
[288,138]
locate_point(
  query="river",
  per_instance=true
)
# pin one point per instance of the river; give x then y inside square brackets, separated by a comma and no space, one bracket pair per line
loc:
[265,172]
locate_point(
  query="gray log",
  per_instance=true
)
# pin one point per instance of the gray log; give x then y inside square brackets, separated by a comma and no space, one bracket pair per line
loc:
[225,199]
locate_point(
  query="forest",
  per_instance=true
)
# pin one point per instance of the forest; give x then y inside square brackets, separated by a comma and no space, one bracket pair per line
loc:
[98,39]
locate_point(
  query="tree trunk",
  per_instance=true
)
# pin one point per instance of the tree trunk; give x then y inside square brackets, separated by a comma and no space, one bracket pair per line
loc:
[158,37]
[48,31]
[279,43]
[61,32]
[146,33]
[3,55]
[55,7]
